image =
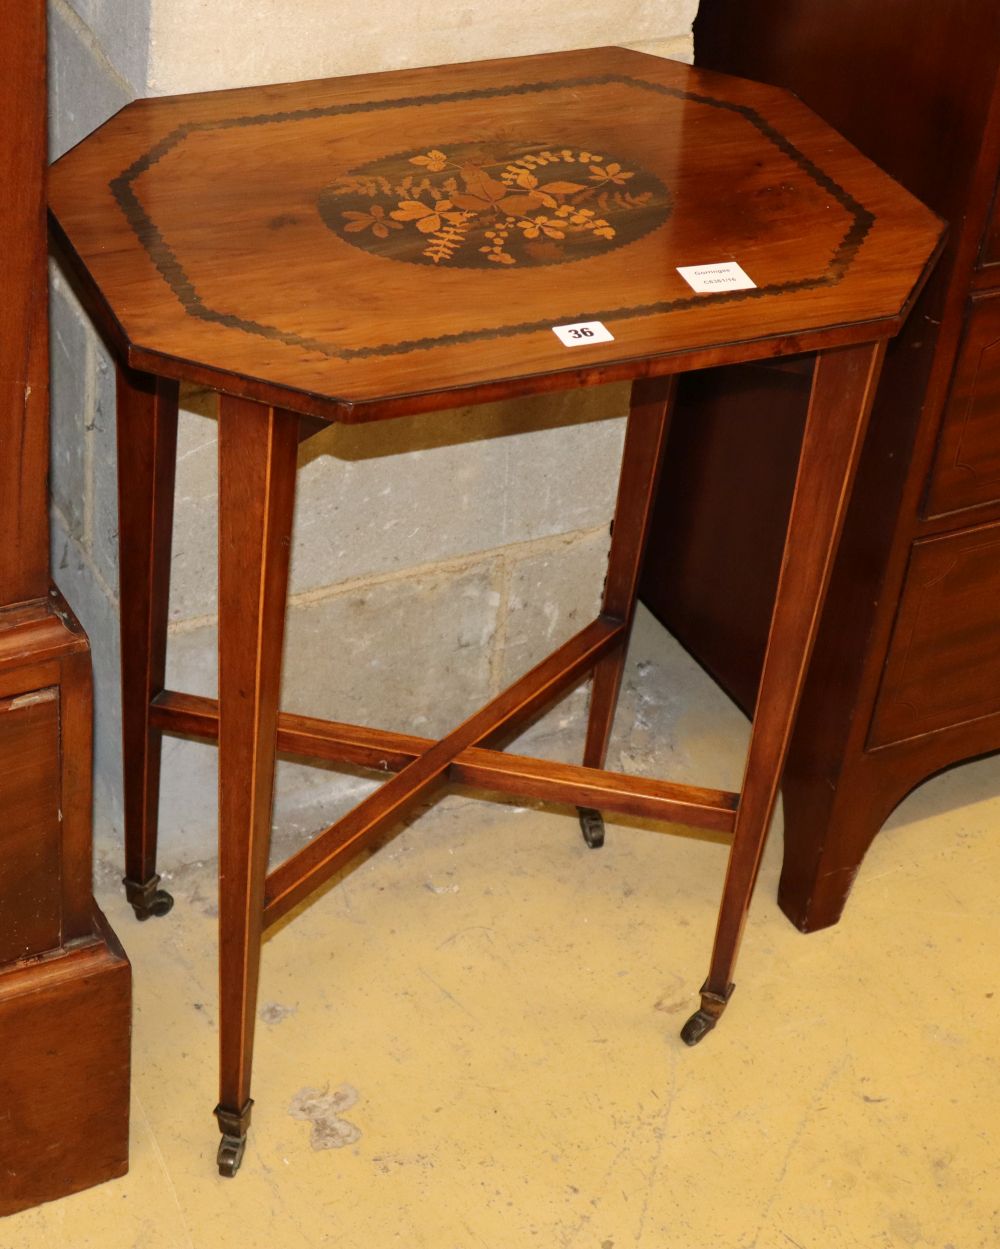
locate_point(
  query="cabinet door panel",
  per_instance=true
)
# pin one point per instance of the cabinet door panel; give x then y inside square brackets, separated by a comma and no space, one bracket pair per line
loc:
[30,885]
[991,242]
[943,666]
[967,469]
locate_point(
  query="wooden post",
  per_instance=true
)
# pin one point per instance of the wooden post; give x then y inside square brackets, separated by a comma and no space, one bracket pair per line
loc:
[64,1018]
[24,339]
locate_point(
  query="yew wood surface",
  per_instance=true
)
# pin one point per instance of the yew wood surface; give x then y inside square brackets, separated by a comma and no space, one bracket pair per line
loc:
[203,223]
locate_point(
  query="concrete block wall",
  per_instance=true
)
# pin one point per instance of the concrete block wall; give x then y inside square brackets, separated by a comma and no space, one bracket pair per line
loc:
[435,558]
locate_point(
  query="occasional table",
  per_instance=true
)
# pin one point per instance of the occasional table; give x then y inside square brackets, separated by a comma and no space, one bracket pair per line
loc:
[363,248]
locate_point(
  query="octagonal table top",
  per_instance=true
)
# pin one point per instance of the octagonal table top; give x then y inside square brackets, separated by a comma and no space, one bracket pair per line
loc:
[360,247]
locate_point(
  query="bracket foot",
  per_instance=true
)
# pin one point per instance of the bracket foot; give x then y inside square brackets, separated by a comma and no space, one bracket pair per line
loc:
[592,827]
[706,1016]
[147,899]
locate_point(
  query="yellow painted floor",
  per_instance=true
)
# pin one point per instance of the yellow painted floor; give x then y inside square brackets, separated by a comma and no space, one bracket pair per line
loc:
[471,1040]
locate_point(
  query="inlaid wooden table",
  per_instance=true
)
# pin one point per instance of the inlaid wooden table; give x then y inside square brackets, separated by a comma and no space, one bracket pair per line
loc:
[364,248]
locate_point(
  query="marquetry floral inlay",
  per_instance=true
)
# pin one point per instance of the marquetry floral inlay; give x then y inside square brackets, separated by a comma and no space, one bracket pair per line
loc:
[492,205]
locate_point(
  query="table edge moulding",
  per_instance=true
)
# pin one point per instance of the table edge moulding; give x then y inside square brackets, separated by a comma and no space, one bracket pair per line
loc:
[507,199]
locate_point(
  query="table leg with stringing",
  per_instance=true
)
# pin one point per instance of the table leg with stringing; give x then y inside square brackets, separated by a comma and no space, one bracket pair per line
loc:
[257,463]
[147,454]
[642,459]
[844,382]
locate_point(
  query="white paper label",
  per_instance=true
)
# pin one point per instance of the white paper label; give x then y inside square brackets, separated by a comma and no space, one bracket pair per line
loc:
[582,333]
[704,279]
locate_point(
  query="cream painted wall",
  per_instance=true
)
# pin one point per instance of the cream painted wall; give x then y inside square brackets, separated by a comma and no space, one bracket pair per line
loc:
[198,45]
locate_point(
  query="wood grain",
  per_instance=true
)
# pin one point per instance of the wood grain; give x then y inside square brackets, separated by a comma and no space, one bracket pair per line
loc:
[24,343]
[966,469]
[65,985]
[493,770]
[843,381]
[642,458]
[257,449]
[315,863]
[147,454]
[990,254]
[65,1032]
[30,842]
[271,244]
[202,275]
[927,108]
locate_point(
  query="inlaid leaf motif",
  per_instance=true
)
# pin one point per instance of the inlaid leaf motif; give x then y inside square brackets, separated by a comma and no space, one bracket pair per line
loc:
[562,188]
[433,160]
[426,219]
[492,205]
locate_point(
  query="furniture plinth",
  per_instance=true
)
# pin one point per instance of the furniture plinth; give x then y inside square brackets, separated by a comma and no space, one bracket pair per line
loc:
[65,985]
[65,1033]
[358,249]
[905,677]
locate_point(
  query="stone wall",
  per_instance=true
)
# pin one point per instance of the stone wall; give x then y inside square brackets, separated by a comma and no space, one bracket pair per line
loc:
[435,557]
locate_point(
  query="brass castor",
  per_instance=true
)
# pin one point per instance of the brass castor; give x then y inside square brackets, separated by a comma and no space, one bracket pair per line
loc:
[592,827]
[706,1016]
[234,1126]
[698,1027]
[146,899]
[230,1155]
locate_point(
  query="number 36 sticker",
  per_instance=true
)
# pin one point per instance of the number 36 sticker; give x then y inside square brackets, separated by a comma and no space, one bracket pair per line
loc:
[582,333]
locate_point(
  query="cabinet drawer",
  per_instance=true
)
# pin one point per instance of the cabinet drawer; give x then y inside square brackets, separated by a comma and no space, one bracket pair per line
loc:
[30,882]
[990,254]
[967,467]
[943,666]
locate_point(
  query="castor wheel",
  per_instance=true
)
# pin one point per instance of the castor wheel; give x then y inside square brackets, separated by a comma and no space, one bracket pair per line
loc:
[706,1016]
[146,899]
[698,1027]
[230,1155]
[592,827]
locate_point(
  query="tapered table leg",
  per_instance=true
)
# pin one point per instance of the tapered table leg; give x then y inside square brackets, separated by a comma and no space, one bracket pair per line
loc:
[642,458]
[843,386]
[257,449]
[147,454]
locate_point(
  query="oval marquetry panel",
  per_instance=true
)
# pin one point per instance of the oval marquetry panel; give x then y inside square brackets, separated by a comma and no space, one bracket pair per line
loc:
[492,205]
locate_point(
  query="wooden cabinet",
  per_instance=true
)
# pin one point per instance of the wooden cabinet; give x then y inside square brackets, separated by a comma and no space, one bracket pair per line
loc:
[905,676]
[943,663]
[991,242]
[967,466]
[65,984]
[29,834]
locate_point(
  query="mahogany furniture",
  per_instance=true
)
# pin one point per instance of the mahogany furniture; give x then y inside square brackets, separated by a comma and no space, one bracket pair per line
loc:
[905,677]
[357,249]
[65,985]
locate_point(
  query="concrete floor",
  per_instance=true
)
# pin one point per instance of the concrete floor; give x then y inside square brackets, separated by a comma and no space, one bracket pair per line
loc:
[471,1040]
